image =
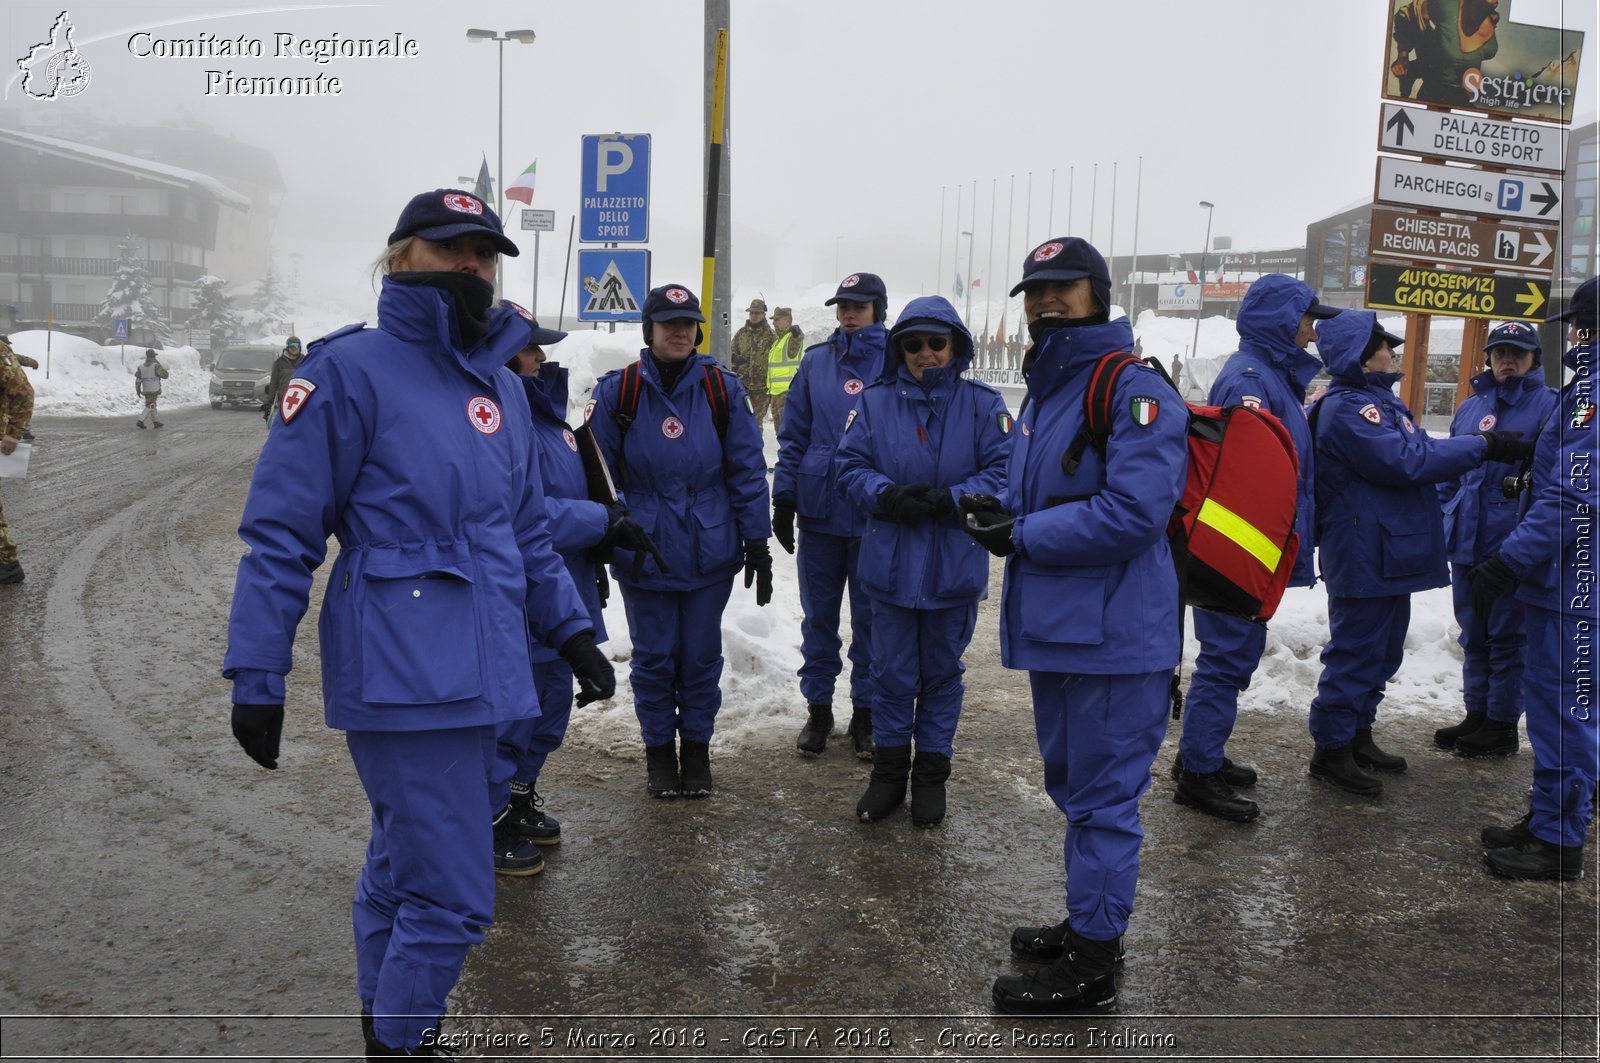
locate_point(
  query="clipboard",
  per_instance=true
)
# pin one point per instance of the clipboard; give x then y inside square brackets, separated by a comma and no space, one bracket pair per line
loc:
[14,466]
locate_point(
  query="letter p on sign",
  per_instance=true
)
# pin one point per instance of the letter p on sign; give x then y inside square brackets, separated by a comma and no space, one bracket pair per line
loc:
[609,150]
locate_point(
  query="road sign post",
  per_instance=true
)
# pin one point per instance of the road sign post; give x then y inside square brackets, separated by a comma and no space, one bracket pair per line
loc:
[540,221]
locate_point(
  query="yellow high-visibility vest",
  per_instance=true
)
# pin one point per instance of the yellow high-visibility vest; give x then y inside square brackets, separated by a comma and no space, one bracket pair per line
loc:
[782,365]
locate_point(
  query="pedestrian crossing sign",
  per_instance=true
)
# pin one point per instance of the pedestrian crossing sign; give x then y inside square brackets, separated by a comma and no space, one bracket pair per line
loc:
[614,283]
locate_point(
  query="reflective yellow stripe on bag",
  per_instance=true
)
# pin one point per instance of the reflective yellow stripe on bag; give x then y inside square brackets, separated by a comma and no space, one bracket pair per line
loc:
[1238,530]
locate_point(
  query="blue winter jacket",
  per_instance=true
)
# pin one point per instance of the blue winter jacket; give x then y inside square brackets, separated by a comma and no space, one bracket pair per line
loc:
[1091,588]
[1379,524]
[1270,373]
[576,524]
[947,431]
[420,460]
[1477,514]
[830,379]
[1552,549]
[699,498]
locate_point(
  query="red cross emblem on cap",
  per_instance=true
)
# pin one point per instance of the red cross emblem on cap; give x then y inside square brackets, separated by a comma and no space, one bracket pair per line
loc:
[676,295]
[518,307]
[1048,251]
[465,204]
[850,281]
[484,414]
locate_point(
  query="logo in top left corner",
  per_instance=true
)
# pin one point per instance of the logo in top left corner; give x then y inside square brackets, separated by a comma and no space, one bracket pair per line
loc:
[54,69]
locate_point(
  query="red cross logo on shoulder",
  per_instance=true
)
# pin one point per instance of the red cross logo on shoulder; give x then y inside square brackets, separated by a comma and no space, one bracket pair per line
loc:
[484,414]
[295,394]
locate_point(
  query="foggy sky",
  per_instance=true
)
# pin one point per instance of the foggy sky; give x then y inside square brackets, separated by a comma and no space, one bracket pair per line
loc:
[847,120]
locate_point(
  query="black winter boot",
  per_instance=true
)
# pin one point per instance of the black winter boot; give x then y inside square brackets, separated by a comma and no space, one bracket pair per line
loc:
[1368,755]
[529,818]
[928,774]
[860,731]
[1493,739]
[1048,942]
[814,735]
[1211,794]
[1447,737]
[1505,837]
[1082,981]
[1338,766]
[695,758]
[662,762]
[1532,858]
[891,767]
[1235,775]
[514,855]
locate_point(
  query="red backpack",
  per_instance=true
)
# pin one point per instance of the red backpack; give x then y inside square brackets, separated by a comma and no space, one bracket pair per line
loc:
[1232,533]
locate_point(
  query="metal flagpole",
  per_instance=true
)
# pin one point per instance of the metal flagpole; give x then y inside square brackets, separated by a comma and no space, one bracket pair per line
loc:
[938,269]
[1111,250]
[1133,289]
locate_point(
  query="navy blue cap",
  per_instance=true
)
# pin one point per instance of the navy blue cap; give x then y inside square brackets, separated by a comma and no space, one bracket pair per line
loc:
[1513,334]
[1582,310]
[671,302]
[860,288]
[909,328]
[542,337]
[1064,258]
[1381,333]
[447,212]
[1321,311]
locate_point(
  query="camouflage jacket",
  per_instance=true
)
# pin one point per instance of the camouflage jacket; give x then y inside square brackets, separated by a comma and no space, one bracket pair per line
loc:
[16,394]
[749,352]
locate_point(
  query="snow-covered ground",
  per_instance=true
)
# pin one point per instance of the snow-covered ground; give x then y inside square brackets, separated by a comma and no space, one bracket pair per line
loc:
[761,701]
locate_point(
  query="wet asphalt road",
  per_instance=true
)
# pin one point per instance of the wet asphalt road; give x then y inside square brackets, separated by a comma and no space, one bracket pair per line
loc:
[163,897]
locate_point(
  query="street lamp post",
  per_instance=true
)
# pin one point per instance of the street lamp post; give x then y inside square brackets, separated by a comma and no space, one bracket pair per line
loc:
[523,37]
[968,234]
[1194,351]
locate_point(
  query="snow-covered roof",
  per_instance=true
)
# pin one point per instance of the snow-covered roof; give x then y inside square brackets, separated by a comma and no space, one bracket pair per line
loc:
[155,171]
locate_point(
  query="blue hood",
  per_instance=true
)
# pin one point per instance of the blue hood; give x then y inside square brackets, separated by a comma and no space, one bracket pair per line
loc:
[1269,319]
[1340,341]
[548,390]
[927,308]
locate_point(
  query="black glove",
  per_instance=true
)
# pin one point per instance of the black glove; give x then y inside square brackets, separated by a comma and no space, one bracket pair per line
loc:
[602,585]
[1507,446]
[988,522]
[596,680]
[943,502]
[258,728]
[906,505]
[758,569]
[1489,582]
[625,533]
[783,523]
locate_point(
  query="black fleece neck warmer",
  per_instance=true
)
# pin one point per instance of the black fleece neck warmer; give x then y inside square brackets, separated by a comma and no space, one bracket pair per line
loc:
[1040,327]
[669,372]
[470,301]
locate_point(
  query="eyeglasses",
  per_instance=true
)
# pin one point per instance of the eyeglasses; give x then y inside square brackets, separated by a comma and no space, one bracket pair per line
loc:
[914,344]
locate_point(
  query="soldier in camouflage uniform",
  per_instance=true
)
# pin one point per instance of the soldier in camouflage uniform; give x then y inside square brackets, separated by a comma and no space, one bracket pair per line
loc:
[16,409]
[749,356]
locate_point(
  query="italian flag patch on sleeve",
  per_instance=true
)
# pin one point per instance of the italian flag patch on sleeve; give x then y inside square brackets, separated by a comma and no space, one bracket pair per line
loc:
[1005,424]
[1144,409]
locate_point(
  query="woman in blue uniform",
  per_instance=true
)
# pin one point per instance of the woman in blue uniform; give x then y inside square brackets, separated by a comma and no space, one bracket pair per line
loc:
[579,527]
[806,484]
[1090,609]
[410,443]
[679,432]
[921,436]
[1380,533]
[1478,515]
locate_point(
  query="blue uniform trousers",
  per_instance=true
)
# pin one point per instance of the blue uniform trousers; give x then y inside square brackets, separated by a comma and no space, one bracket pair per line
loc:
[521,746]
[677,660]
[1492,651]
[1230,649]
[1366,643]
[1561,724]
[1099,735]
[826,564]
[426,894]
[916,666]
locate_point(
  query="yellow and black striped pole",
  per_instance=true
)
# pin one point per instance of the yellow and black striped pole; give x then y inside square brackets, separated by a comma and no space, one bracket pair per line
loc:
[719,96]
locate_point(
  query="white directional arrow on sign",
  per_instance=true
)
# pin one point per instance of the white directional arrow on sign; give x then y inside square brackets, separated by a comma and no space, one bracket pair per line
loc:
[1542,246]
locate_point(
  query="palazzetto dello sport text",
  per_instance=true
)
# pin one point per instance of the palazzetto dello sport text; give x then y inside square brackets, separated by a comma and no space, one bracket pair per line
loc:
[319,50]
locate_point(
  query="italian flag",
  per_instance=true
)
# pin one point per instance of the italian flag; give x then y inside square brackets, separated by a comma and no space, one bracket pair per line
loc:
[521,189]
[1144,409]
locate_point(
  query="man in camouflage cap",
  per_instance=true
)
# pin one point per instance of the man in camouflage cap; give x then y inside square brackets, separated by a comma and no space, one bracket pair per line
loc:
[16,409]
[749,355]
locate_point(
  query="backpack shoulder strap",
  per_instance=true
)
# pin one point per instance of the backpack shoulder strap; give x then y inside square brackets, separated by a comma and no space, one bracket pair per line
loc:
[627,397]
[1097,409]
[717,396]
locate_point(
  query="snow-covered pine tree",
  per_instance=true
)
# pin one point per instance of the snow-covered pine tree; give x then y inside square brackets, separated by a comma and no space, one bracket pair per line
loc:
[214,306]
[272,301]
[129,295]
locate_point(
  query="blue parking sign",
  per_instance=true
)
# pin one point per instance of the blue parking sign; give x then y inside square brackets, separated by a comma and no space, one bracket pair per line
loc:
[612,284]
[615,191]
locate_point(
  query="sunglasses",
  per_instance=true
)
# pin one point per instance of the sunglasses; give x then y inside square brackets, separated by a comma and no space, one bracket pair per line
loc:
[914,344]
